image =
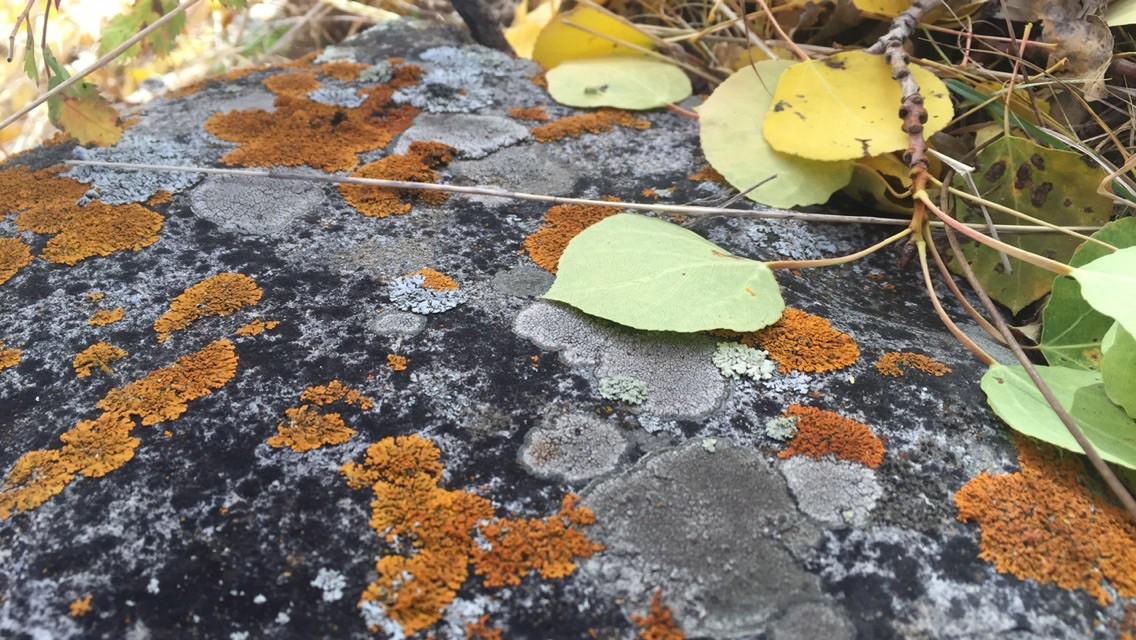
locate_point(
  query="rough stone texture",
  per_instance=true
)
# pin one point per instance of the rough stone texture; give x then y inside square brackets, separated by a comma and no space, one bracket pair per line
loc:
[208,532]
[472,136]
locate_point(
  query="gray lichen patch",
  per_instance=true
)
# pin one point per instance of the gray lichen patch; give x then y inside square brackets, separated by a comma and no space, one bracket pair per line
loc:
[467,79]
[337,96]
[573,446]
[681,379]
[525,280]
[781,427]
[833,492]
[711,531]
[254,206]
[410,293]
[812,620]
[473,136]
[397,324]
[518,168]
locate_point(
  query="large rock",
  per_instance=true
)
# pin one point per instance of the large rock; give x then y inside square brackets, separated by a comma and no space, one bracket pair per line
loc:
[210,532]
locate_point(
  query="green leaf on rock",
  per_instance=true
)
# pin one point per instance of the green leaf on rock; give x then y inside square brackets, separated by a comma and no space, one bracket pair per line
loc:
[1118,368]
[1055,186]
[654,275]
[621,82]
[730,127]
[1017,401]
[1071,330]
[1109,285]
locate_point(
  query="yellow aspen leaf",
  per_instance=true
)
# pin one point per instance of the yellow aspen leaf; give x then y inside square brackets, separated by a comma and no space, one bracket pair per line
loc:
[747,56]
[730,123]
[871,187]
[885,8]
[527,25]
[90,119]
[620,82]
[571,36]
[847,107]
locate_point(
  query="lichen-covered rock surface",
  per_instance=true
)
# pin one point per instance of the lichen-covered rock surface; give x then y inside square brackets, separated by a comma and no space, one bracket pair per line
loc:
[359,421]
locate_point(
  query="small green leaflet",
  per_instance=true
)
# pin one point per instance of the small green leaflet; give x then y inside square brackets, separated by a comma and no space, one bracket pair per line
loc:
[1071,330]
[1017,401]
[620,81]
[143,13]
[1118,368]
[730,129]
[1109,285]
[650,274]
[30,67]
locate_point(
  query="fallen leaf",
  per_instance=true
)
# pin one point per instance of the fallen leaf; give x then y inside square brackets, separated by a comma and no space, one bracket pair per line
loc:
[561,40]
[620,82]
[730,123]
[649,274]
[527,25]
[91,120]
[1013,396]
[846,107]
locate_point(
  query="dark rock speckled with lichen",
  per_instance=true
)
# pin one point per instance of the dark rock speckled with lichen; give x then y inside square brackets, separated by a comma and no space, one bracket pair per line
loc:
[210,533]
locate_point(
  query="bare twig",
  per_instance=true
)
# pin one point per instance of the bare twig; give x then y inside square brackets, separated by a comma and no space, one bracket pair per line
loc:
[20,19]
[100,63]
[687,210]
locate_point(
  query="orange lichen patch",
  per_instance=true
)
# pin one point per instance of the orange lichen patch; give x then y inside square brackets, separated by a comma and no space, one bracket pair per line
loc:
[594,122]
[79,607]
[650,192]
[257,327]
[159,198]
[96,296]
[163,394]
[481,630]
[35,478]
[303,132]
[335,391]
[297,84]
[890,364]
[540,80]
[306,429]
[100,355]
[824,433]
[397,362]
[1043,524]
[94,448]
[519,547]
[343,70]
[221,295]
[101,230]
[800,341]
[709,174]
[418,164]
[9,357]
[562,223]
[659,623]
[14,255]
[437,280]
[47,203]
[104,317]
[439,527]
[535,114]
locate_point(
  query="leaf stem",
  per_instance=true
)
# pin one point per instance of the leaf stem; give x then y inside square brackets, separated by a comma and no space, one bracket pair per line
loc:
[832,262]
[1021,254]
[971,345]
[1018,214]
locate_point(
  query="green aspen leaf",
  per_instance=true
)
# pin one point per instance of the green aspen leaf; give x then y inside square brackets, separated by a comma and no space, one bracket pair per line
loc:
[620,82]
[654,275]
[730,128]
[1071,330]
[1118,368]
[1013,396]
[30,66]
[1109,285]
[1055,186]
[846,107]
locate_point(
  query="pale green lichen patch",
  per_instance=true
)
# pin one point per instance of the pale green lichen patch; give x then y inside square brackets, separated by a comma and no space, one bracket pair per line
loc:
[781,428]
[623,389]
[736,360]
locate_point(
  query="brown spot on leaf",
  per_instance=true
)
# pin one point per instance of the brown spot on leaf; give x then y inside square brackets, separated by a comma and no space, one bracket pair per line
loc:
[1039,194]
[1023,177]
[995,172]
